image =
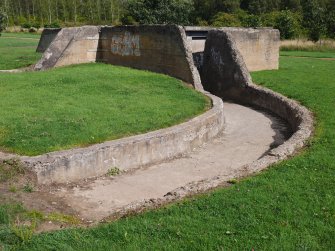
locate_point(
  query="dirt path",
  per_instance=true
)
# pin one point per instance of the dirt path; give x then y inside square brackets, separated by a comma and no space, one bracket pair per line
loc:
[248,135]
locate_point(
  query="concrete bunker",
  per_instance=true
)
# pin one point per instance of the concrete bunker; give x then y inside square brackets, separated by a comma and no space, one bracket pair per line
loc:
[228,55]
[259,47]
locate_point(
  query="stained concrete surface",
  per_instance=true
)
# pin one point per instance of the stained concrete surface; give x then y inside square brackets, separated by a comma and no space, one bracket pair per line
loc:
[248,136]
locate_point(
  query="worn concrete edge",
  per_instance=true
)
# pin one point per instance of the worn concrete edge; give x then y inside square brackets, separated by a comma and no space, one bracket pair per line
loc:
[288,149]
[204,122]
[189,57]
[45,39]
[208,28]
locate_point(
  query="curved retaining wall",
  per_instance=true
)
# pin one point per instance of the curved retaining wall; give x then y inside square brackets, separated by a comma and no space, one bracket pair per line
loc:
[233,81]
[128,153]
[226,75]
[298,116]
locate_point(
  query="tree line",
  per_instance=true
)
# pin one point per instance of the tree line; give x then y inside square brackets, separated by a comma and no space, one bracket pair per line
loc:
[294,18]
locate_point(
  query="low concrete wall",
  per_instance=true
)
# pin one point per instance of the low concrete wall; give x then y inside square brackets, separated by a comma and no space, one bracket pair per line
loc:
[259,47]
[128,153]
[243,91]
[226,75]
[47,37]
[157,48]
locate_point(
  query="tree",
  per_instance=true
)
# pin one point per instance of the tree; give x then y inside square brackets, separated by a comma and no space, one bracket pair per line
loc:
[207,9]
[160,11]
[3,21]
[260,6]
[330,18]
[287,24]
[314,19]
[226,20]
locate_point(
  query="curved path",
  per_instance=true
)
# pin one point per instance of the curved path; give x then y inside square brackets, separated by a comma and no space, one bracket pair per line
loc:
[249,134]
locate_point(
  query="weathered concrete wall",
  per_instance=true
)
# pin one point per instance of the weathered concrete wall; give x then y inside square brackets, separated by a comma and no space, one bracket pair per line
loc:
[128,153]
[71,46]
[259,47]
[223,65]
[225,74]
[158,48]
[47,36]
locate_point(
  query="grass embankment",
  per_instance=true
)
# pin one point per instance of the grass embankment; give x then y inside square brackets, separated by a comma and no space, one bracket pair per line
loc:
[87,104]
[289,207]
[17,50]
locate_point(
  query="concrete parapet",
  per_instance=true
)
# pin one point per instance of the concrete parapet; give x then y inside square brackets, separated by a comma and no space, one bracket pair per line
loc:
[259,47]
[71,46]
[47,37]
[128,153]
[232,81]
[223,65]
[157,48]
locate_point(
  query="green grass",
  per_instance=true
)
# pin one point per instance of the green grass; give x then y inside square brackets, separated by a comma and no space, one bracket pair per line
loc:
[87,104]
[315,54]
[17,50]
[17,224]
[289,207]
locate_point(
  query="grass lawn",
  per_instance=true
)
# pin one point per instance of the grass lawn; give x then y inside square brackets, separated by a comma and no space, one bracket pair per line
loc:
[18,50]
[86,104]
[291,206]
[308,54]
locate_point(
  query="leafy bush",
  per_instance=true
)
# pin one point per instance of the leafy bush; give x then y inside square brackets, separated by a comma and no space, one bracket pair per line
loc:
[252,21]
[3,20]
[287,24]
[128,20]
[160,11]
[331,24]
[314,19]
[26,25]
[226,20]
[52,25]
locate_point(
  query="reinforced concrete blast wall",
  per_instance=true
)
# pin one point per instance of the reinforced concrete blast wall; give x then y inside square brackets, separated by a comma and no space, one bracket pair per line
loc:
[259,47]
[157,48]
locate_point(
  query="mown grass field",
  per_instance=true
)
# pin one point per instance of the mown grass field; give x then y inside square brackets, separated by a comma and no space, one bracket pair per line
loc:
[87,104]
[291,206]
[316,54]
[17,50]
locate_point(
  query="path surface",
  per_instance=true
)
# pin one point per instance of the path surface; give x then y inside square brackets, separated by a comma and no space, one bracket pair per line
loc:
[249,134]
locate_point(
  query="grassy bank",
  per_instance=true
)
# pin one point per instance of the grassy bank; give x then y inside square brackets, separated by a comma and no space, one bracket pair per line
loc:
[17,50]
[289,207]
[87,104]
